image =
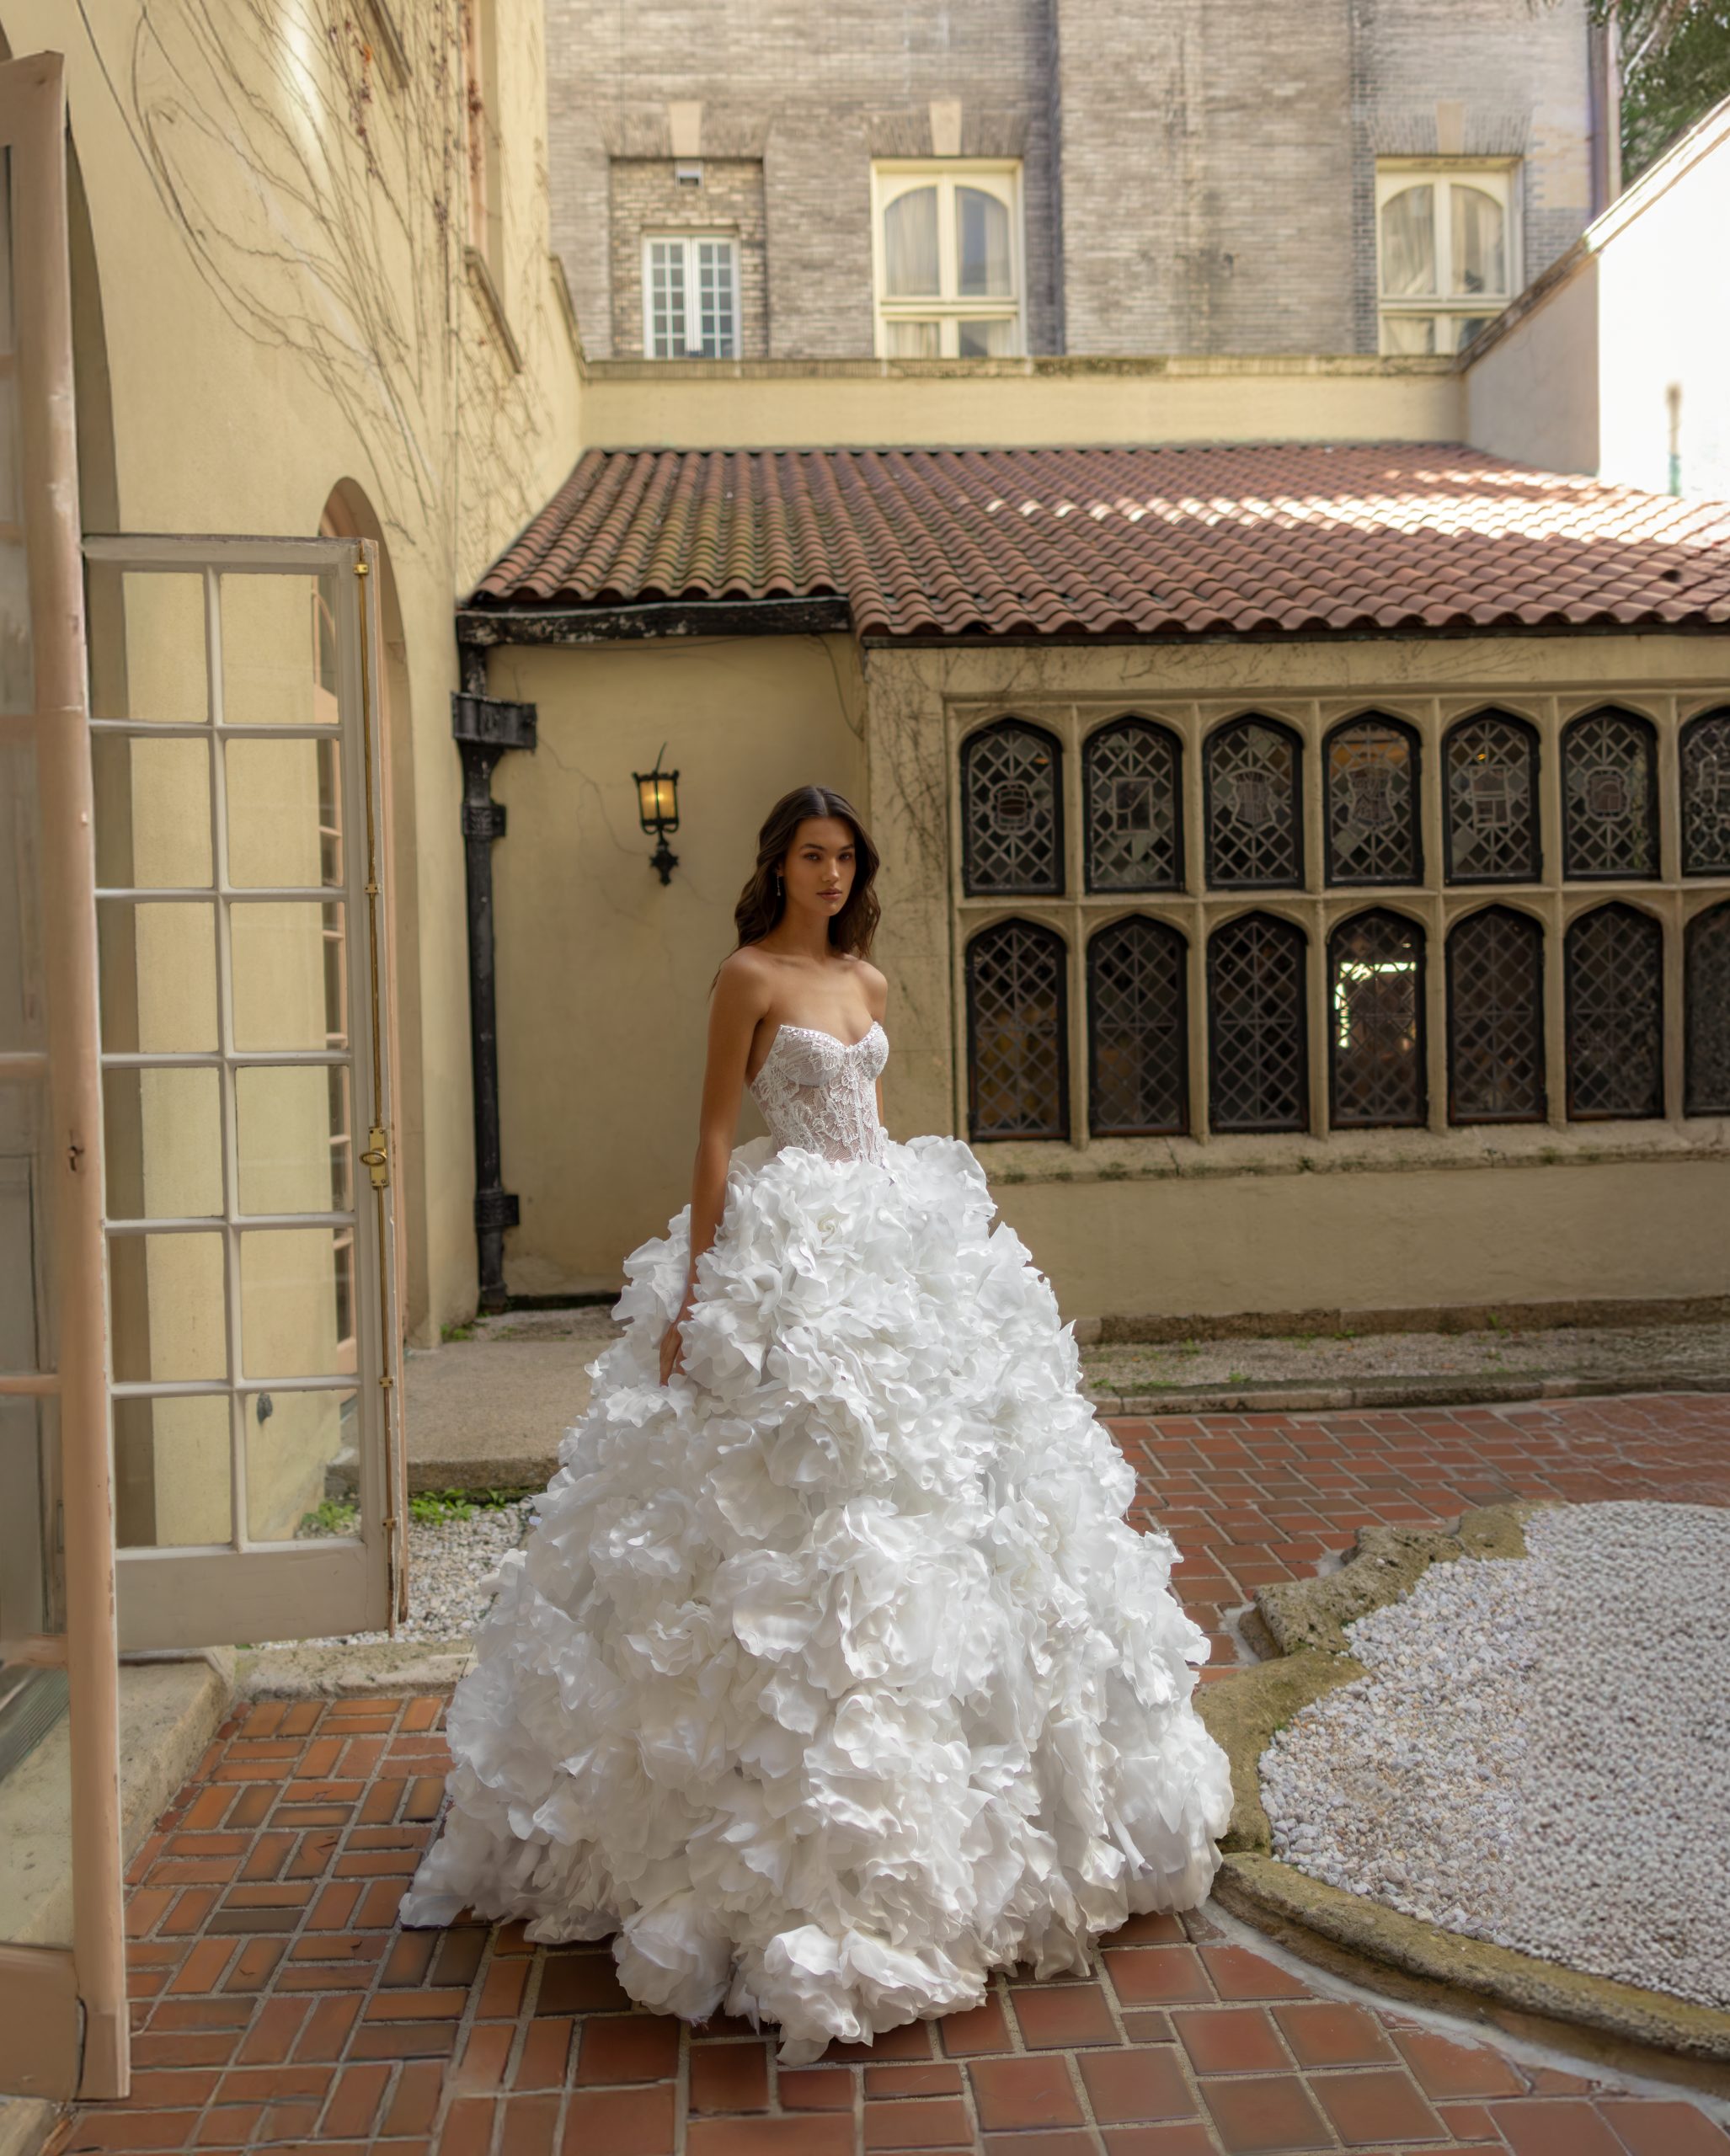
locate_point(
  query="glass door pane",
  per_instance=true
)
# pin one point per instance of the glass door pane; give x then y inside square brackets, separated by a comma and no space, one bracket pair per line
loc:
[241,956]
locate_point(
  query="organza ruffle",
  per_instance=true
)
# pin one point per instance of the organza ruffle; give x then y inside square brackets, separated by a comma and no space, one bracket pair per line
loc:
[831,1676]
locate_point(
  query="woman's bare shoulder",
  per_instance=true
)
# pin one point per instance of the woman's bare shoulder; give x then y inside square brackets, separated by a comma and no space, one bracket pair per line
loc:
[875,985]
[744,978]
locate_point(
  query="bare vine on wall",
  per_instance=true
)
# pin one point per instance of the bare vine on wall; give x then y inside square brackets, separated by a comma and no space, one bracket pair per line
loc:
[318,193]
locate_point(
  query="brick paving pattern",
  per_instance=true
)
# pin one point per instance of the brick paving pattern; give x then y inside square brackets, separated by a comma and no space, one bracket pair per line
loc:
[277,2005]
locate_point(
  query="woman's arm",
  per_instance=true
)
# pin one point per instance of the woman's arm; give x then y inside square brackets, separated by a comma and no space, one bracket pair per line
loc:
[740,1000]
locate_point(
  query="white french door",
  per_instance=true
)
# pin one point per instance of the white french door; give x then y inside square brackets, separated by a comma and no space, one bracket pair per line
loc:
[246,1113]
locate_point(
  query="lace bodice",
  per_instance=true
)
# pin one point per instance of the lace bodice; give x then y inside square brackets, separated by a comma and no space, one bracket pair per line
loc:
[820,1092]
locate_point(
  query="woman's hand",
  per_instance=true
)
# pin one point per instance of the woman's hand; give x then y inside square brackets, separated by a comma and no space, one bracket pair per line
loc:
[673,1339]
[672,1348]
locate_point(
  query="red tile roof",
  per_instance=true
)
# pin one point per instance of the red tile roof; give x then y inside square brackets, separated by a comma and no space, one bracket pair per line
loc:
[1245,539]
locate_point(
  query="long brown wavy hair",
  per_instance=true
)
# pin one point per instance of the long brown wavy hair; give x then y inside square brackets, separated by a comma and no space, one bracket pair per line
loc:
[761,903]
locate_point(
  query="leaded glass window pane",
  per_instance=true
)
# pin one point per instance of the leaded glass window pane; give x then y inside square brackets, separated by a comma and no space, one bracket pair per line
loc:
[1609,797]
[1491,763]
[1707,973]
[1135,817]
[1257,1038]
[1018,1033]
[1255,815]
[1495,1018]
[1376,1021]
[1138,1035]
[1705,795]
[1013,810]
[1372,803]
[1616,1018]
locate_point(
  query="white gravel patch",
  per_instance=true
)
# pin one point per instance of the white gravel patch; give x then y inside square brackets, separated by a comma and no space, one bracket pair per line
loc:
[1540,1753]
[450,1562]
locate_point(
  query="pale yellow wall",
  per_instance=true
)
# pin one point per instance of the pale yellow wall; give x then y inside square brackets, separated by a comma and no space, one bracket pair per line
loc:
[1208,1224]
[286,305]
[603,974]
[1366,1241]
[1534,395]
[768,404]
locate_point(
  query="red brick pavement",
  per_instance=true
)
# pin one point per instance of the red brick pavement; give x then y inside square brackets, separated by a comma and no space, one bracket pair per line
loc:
[277,2006]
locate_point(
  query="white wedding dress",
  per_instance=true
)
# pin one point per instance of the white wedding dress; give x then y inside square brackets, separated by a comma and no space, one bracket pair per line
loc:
[831,1677]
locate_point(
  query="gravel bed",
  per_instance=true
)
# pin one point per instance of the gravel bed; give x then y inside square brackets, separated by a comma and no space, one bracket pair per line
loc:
[449,1564]
[1540,1753]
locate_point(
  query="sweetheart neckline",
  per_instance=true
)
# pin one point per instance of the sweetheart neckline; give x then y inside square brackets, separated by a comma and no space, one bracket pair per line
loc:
[814,1033]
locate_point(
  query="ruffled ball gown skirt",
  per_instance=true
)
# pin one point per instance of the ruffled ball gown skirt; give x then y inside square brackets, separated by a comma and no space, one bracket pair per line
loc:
[831,1676]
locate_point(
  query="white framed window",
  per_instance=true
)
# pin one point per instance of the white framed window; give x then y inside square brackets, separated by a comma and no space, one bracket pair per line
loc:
[947,250]
[1446,248]
[690,296]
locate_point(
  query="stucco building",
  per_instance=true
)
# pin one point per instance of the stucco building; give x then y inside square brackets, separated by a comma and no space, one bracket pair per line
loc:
[1081,177]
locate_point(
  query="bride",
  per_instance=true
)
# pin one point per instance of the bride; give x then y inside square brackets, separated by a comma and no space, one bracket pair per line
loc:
[830,1677]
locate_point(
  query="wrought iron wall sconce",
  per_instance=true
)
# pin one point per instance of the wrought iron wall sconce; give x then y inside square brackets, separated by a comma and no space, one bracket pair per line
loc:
[658,812]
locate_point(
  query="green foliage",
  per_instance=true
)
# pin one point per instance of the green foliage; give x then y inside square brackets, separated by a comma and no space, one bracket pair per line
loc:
[331,1516]
[1675,64]
[447,1333]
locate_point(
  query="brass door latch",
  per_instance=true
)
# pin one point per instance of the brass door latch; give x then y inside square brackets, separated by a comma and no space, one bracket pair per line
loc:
[376,1160]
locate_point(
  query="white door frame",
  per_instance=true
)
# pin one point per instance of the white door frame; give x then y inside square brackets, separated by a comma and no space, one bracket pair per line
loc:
[63,2015]
[241,1590]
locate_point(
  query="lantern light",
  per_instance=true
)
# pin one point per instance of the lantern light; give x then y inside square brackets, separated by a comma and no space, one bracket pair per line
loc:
[658,812]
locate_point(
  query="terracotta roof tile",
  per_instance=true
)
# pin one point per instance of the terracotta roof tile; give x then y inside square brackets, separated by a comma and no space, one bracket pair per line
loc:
[1244,539]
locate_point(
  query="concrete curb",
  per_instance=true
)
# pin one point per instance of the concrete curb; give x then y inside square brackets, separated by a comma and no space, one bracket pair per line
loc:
[1396,1392]
[377,1669]
[1614,2024]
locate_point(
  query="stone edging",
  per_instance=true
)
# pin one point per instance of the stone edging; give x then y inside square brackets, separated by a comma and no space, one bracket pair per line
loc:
[1304,1623]
[1396,1392]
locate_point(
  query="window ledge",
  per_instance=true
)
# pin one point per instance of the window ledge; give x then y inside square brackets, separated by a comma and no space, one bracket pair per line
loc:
[481,276]
[1010,1161]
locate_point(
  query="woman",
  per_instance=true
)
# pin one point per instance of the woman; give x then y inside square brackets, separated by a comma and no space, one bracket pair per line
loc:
[830,1677]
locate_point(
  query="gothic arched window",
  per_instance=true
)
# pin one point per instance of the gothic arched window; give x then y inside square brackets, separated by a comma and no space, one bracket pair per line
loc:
[1495,1018]
[1376,1021]
[1138,1034]
[1017,1031]
[1609,796]
[1705,795]
[1255,806]
[1490,768]
[1371,765]
[1134,807]
[1257,1026]
[1012,801]
[1614,960]
[1706,973]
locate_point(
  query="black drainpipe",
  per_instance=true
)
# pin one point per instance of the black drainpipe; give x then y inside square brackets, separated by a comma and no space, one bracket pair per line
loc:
[485,727]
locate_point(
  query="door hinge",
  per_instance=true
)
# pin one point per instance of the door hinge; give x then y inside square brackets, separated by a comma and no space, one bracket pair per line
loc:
[377,1160]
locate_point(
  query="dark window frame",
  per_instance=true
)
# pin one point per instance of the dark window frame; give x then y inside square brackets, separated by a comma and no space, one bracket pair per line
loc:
[1414,745]
[1290,928]
[1570,874]
[1420,1120]
[1692,928]
[1166,930]
[1210,744]
[1719,715]
[1064,1134]
[1128,722]
[1541,1113]
[1650,922]
[1534,747]
[1011,722]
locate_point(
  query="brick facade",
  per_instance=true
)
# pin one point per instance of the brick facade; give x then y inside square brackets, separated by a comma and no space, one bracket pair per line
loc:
[646,197]
[1196,179]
